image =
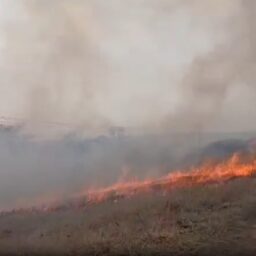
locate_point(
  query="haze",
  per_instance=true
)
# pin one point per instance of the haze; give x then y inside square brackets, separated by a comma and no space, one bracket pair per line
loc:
[87,68]
[148,66]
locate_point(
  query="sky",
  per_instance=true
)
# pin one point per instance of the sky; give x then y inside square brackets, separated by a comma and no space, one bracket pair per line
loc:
[149,66]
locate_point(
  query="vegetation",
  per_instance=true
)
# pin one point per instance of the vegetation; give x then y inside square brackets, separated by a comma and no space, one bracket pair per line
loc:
[204,220]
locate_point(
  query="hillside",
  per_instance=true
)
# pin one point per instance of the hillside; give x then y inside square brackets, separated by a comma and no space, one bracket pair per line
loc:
[201,220]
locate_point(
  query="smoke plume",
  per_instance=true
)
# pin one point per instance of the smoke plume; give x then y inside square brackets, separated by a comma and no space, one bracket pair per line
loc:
[118,83]
[147,66]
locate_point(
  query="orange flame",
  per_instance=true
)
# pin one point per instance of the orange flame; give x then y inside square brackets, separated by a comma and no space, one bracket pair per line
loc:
[205,174]
[236,167]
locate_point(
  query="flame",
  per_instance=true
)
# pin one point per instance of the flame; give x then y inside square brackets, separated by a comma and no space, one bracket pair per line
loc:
[207,173]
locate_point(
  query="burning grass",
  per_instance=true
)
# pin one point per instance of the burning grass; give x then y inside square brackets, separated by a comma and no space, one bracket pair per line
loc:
[209,172]
[207,211]
[201,220]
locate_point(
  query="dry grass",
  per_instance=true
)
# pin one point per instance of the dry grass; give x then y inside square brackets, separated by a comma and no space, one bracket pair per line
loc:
[207,220]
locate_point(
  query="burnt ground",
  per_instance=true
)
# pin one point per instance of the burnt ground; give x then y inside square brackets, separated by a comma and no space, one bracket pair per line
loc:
[206,220]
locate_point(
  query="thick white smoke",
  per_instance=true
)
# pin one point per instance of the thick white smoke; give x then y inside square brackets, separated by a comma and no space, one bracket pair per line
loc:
[90,67]
[148,66]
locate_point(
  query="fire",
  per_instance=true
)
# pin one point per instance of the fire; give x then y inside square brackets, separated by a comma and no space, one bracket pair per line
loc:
[207,173]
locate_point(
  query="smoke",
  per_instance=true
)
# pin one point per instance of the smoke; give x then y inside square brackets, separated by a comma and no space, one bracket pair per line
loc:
[148,66]
[225,73]
[141,71]
[38,172]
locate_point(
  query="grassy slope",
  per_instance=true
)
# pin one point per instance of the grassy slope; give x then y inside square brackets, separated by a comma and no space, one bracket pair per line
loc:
[205,220]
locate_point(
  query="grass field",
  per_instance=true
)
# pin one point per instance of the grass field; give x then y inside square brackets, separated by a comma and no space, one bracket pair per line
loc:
[216,219]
